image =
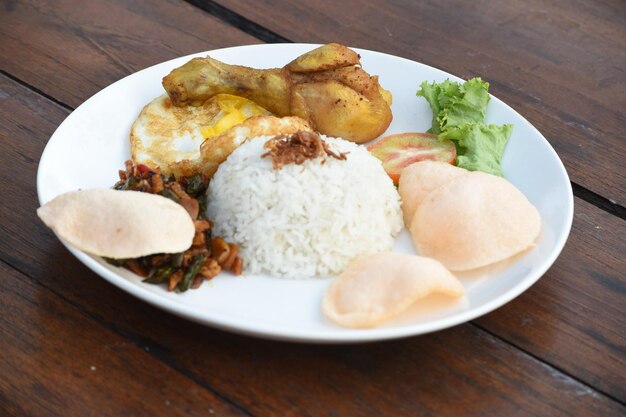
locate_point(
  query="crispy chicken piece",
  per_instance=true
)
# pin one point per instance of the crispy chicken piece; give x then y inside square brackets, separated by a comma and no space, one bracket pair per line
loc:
[325,86]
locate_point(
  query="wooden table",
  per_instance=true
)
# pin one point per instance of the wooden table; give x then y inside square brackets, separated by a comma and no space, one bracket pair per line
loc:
[73,345]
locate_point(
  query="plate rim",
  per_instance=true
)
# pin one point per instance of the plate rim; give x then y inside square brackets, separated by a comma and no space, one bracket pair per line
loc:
[273,332]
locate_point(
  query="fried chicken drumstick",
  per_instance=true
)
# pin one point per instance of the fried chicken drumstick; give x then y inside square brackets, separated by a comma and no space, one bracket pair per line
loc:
[325,86]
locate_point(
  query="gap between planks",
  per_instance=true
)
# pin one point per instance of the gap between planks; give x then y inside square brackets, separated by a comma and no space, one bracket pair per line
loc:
[36,90]
[240,22]
[541,361]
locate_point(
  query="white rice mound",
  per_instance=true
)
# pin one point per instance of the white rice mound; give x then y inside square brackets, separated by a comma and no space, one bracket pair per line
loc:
[304,220]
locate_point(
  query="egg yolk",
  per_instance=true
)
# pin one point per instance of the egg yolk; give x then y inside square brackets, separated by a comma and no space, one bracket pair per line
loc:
[234,110]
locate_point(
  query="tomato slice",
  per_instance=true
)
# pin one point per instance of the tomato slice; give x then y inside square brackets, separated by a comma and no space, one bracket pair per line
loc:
[401,150]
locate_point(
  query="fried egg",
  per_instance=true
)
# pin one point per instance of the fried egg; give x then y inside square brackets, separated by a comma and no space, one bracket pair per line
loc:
[168,137]
[215,150]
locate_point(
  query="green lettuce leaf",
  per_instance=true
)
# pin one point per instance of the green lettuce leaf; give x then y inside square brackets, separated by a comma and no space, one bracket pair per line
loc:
[479,147]
[438,95]
[459,114]
[470,105]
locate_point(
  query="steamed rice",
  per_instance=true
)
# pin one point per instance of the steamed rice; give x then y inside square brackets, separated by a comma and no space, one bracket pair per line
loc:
[304,220]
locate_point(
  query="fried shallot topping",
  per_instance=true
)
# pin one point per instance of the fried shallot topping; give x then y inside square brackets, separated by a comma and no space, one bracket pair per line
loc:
[297,148]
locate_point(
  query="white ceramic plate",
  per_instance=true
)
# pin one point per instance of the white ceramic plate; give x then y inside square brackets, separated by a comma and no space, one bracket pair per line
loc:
[91,145]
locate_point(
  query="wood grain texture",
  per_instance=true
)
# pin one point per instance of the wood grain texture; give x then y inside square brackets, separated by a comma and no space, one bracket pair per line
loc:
[561,64]
[58,361]
[72,49]
[461,371]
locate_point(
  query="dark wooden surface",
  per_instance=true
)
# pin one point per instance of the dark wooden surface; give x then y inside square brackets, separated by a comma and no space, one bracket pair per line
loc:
[73,345]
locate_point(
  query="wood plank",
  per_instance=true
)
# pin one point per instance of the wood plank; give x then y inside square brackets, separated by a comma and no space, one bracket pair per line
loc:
[72,49]
[490,377]
[558,63]
[57,361]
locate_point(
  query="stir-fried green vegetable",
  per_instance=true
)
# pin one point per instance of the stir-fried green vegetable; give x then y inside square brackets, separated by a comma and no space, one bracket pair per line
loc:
[179,271]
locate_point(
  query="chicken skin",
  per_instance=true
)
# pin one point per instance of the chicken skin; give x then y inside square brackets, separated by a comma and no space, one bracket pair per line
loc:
[326,86]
